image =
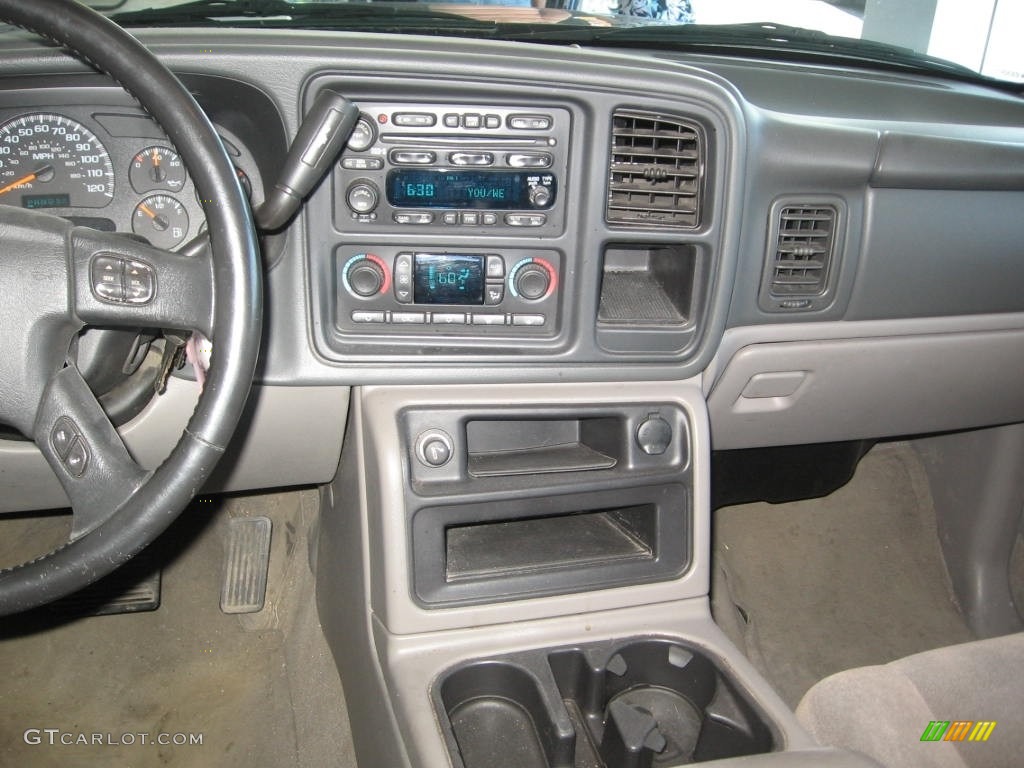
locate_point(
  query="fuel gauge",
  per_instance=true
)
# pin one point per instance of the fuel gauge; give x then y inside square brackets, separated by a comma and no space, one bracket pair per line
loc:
[162,220]
[157,168]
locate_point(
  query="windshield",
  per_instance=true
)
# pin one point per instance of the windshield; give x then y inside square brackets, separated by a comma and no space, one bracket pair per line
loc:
[979,38]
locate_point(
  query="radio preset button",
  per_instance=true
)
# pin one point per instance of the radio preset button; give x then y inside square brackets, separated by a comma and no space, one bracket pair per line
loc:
[413,119]
[409,318]
[411,157]
[364,316]
[362,163]
[495,267]
[529,122]
[471,158]
[488,319]
[528,160]
[528,319]
[525,219]
[471,120]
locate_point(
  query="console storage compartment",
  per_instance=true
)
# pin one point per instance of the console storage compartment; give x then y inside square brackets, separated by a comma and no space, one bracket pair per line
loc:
[521,547]
[642,703]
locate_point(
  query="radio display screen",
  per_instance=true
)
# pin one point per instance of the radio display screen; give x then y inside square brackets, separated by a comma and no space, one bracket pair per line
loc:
[509,190]
[448,278]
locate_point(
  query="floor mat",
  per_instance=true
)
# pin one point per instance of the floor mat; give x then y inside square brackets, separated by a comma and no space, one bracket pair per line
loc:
[259,690]
[856,578]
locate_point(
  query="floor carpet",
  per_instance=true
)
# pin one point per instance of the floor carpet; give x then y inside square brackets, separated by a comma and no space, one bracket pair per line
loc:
[259,690]
[856,578]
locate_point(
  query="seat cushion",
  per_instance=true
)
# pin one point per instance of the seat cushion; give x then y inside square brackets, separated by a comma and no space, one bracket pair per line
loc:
[884,711]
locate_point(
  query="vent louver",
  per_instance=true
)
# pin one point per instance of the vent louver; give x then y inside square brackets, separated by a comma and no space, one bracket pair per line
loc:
[803,250]
[656,170]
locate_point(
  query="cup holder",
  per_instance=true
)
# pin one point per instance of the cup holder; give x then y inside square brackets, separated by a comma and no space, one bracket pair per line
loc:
[643,704]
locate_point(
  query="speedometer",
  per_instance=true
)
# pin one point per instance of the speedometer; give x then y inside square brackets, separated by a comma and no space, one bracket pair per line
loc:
[49,161]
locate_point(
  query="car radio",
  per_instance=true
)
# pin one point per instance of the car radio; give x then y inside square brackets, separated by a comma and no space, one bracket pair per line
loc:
[479,169]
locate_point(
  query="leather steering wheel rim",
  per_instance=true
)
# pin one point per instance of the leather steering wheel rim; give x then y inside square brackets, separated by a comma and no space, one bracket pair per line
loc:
[236,313]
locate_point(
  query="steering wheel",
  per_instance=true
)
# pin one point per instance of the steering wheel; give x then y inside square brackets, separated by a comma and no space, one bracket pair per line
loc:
[56,278]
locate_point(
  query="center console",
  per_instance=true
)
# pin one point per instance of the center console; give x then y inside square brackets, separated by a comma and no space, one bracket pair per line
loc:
[517,575]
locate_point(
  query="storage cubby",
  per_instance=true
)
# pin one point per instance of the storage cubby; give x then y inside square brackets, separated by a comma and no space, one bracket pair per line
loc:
[643,703]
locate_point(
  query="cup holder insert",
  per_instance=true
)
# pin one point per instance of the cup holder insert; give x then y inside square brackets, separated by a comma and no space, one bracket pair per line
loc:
[644,704]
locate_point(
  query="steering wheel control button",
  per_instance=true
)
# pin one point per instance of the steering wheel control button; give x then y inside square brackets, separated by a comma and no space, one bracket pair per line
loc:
[106,277]
[77,460]
[434,448]
[654,435]
[139,283]
[62,436]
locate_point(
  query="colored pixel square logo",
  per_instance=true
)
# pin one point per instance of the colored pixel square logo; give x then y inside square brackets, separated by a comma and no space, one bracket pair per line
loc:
[958,730]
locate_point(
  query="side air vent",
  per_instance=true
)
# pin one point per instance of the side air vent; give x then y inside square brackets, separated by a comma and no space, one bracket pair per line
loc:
[657,166]
[800,264]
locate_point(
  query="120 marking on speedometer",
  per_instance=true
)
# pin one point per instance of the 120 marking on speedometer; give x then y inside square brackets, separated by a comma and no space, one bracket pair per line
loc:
[50,161]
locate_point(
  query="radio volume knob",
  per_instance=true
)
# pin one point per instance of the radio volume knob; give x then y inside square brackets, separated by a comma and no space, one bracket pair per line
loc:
[362,197]
[365,278]
[539,196]
[532,281]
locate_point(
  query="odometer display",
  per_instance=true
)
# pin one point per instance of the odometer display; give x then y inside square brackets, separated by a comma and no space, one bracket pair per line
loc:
[47,158]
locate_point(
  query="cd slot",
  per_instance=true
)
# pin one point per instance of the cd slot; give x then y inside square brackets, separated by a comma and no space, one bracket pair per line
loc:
[427,140]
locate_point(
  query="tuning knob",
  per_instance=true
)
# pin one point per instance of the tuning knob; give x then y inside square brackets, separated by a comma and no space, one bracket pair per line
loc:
[532,281]
[539,196]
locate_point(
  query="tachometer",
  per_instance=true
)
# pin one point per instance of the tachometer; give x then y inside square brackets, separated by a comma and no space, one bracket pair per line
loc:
[49,161]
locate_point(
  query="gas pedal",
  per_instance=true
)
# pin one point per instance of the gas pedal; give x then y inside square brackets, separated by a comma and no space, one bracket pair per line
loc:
[246,563]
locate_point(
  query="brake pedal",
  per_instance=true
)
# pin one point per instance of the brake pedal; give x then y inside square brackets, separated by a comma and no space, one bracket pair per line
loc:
[133,588]
[246,564]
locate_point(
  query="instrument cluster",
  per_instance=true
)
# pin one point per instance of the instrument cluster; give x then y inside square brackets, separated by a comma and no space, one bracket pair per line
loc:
[109,171]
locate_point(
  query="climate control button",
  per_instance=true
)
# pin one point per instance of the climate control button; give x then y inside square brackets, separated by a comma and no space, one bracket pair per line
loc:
[532,279]
[365,275]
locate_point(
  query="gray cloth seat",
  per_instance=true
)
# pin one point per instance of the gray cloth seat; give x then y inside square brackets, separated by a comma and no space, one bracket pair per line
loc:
[883,711]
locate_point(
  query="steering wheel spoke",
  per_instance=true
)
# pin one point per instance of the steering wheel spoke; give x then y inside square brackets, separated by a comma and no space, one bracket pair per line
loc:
[122,282]
[85,451]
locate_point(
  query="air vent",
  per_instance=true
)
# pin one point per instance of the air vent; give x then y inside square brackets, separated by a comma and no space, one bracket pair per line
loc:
[656,170]
[800,273]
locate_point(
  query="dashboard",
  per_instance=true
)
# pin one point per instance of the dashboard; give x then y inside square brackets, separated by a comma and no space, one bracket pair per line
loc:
[803,241]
